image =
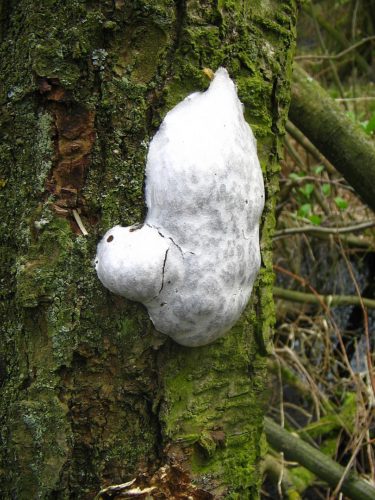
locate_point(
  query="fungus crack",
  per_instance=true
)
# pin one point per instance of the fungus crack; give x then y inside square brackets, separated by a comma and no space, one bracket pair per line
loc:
[163,270]
[178,246]
[172,240]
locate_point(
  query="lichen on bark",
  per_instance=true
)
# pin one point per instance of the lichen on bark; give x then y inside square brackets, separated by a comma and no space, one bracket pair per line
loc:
[90,394]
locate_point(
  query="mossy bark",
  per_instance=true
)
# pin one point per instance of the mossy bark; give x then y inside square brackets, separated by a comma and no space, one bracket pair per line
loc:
[90,393]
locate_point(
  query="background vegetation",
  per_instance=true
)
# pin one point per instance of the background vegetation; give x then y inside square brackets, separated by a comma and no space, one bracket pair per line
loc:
[322,386]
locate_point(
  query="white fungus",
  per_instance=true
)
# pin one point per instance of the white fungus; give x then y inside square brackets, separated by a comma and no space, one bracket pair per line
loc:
[194,260]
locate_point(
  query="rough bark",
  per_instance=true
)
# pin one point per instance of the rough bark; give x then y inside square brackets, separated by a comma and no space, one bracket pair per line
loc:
[90,393]
[341,141]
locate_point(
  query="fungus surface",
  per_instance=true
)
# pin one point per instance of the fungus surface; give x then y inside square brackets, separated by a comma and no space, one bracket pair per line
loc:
[194,260]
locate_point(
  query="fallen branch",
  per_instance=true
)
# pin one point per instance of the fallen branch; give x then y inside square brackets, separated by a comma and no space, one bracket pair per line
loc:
[294,154]
[328,300]
[338,138]
[354,242]
[295,449]
[308,146]
[321,229]
[354,99]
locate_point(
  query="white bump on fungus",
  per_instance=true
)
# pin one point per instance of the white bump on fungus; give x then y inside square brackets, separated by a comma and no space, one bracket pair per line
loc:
[194,261]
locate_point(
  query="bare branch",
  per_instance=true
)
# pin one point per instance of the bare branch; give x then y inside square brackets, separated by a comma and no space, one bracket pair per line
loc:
[281,233]
[340,54]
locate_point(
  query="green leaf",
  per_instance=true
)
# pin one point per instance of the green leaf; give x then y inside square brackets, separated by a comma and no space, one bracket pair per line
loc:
[370,126]
[296,177]
[351,115]
[341,203]
[319,169]
[326,189]
[307,189]
[301,478]
[364,125]
[315,219]
[304,210]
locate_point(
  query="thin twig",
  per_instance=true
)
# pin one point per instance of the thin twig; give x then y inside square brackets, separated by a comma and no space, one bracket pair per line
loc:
[318,180]
[345,99]
[294,154]
[308,146]
[305,283]
[79,222]
[282,423]
[370,454]
[315,393]
[365,321]
[340,54]
[323,45]
[350,463]
[320,229]
[328,300]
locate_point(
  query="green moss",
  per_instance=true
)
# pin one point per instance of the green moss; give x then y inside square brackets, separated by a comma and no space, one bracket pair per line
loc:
[206,444]
[36,272]
[40,442]
[49,61]
[210,388]
[255,93]
[178,89]
[301,478]
[140,52]
[334,420]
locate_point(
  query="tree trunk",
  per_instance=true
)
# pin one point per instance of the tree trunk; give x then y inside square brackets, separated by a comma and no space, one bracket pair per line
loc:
[91,395]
